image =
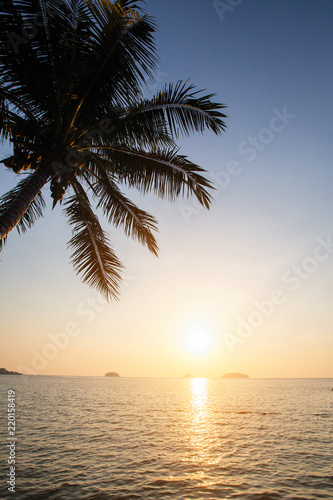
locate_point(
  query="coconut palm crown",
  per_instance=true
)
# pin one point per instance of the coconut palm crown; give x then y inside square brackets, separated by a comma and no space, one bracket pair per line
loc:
[73,76]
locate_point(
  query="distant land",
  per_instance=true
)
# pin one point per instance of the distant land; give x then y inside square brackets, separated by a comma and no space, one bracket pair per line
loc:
[112,374]
[188,376]
[3,371]
[234,375]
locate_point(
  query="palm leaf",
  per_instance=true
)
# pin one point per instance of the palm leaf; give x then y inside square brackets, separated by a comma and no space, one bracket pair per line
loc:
[184,110]
[9,97]
[30,61]
[162,172]
[114,60]
[129,4]
[132,129]
[3,242]
[34,212]
[23,205]
[120,211]
[92,256]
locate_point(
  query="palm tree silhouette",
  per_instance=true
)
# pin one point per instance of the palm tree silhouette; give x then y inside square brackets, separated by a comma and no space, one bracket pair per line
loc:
[73,75]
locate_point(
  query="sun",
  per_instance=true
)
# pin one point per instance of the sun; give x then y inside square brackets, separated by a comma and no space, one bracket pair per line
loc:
[197,342]
[198,339]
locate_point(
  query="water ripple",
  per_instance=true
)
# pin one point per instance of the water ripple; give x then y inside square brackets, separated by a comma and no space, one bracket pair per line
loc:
[130,439]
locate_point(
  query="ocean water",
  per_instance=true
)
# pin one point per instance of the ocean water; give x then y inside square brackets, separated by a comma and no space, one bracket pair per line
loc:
[129,438]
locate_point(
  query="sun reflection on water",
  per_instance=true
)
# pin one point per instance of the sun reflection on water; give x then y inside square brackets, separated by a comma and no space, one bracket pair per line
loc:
[200,428]
[198,398]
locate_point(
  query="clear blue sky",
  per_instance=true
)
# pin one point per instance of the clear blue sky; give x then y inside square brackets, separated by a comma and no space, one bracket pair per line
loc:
[266,238]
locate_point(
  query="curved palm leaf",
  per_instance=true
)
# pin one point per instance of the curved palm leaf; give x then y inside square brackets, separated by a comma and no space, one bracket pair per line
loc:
[114,60]
[34,212]
[92,256]
[120,211]
[163,172]
[23,204]
[184,111]
[29,51]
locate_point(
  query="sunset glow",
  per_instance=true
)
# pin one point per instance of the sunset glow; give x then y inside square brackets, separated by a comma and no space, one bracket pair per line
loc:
[198,339]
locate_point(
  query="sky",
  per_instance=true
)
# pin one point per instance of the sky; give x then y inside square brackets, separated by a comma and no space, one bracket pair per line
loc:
[244,287]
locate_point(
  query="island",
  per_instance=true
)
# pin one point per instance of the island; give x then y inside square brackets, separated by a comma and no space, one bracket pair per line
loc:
[234,375]
[188,376]
[3,371]
[112,374]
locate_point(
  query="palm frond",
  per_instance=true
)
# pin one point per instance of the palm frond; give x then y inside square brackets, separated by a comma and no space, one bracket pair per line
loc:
[26,52]
[92,255]
[11,98]
[3,242]
[120,211]
[4,119]
[184,110]
[129,4]
[33,213]
[23,205]
[114,60]
[163,172]
[132,129]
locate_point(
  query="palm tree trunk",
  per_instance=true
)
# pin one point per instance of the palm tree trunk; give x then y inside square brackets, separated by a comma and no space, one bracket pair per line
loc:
[14,208]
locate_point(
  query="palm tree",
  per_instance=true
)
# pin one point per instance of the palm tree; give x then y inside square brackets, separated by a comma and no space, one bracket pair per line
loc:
[73,75]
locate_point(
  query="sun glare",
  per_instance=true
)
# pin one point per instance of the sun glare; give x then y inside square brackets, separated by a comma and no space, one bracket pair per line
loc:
[198,339]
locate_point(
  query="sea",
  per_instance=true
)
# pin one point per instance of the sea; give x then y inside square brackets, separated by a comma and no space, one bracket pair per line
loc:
[104,438]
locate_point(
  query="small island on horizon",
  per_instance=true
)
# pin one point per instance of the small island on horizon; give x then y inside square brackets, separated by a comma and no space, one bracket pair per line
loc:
[3,371]
[188,376]
[112,374]
[235,375]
